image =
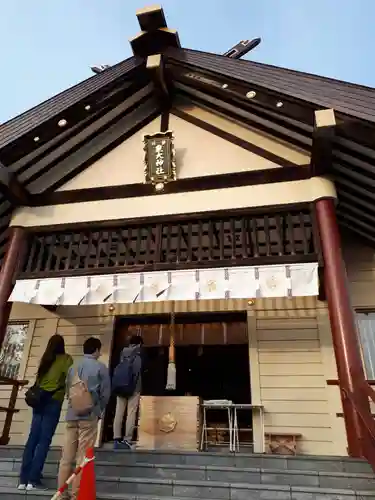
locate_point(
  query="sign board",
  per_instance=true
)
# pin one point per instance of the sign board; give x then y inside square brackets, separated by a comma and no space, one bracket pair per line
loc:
[160,164]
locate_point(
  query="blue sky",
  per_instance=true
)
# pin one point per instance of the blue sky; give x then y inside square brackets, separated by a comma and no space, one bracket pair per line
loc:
[49,45]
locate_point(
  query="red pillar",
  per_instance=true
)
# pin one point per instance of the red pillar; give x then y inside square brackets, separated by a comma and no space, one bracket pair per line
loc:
[12,263]
[343,325]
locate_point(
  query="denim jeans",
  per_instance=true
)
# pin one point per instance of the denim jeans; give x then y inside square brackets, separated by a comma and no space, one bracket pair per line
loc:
[42,429]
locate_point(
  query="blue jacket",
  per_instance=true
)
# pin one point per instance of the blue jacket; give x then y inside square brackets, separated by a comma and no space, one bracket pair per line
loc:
[96,376]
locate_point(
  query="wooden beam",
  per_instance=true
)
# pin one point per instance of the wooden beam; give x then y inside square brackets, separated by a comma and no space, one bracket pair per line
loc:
[207,182]
[227,136]
[350,200]
[357,223]
[155,68]
[354,209]
[12,189]
[152,42]
[242,94]
[242,114]
[322,297]
[37,168]
[172,218]
[151,18]
[80,119]
[353,228]
[354,188]
[164,121]
[323,137]
[359,177]
[102,142]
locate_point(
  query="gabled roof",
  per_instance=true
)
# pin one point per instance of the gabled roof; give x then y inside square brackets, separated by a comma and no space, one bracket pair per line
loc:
[22,124]
[43,148]
[347,98]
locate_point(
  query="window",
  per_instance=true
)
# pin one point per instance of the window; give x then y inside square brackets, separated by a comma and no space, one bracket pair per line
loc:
[12,350]
[366,327]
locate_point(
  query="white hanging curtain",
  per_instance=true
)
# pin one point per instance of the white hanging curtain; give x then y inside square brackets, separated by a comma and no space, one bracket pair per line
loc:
[221,283]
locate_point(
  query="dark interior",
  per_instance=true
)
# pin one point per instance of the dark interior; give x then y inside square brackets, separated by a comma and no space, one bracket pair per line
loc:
[207,371]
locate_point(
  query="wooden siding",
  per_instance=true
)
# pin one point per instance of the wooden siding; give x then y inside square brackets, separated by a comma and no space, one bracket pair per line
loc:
[285,348]
[293,372]
[360,265]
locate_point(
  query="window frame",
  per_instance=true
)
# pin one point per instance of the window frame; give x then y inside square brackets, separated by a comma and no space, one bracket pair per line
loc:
[30,328]
[365,312]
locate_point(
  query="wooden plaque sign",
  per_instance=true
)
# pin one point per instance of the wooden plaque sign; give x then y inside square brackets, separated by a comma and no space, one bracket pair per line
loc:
[160,164]
[168,423]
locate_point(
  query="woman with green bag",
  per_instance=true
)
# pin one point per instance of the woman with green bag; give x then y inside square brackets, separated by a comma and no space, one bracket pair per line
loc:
[46,398]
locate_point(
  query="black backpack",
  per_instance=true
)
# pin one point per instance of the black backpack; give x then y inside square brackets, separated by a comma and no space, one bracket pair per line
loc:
[124,380]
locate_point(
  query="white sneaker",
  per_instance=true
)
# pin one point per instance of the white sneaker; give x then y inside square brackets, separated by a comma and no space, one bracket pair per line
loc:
[39,487]
[21,487]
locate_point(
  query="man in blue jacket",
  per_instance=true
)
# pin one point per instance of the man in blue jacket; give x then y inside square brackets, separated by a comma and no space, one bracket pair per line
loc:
[81,430]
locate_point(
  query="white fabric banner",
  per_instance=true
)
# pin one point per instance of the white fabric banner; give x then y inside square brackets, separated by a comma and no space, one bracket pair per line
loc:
[49,292]
[184,285]
[127,290]
[75,290]
[24,291]
[212,284]
[242,282]
[222,283]
[304,279]
[273,282]
[99,288]
[155,287]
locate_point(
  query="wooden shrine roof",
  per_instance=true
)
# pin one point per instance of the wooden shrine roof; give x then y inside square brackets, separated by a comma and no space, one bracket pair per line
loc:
[38,155]
[348,98]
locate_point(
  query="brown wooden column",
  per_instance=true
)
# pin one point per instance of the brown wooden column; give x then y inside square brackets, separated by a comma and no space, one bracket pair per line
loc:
[11,265]
[343,325]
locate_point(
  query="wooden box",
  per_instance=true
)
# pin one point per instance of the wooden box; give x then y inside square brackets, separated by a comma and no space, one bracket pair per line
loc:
[168,423]
[282,443]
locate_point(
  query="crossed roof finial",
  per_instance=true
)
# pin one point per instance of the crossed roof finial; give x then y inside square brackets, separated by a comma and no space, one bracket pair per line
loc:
[155,36]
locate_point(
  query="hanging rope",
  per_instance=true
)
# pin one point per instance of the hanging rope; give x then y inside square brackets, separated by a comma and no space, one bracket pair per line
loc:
[171,375]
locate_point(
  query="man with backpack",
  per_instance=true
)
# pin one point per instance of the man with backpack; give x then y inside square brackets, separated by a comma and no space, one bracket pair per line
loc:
[88,390]
[126,385]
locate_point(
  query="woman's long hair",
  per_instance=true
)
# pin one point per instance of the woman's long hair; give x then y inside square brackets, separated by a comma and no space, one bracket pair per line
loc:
[55,346]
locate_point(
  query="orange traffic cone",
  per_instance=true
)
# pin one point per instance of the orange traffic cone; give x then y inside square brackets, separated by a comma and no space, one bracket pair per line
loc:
[87,487]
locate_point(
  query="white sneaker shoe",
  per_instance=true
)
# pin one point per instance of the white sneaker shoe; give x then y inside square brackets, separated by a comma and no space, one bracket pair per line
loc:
[39,487]
[21,487]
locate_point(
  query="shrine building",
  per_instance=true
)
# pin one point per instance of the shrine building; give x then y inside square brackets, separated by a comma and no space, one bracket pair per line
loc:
[222,209]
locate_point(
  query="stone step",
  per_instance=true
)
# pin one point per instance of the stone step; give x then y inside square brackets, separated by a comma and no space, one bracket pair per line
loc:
[251,492]
[196,488]
[212,474]
[239,460]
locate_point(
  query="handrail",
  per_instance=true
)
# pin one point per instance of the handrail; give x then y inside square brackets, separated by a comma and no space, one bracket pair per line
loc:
[368,423]
[370,392]
[11,409]
[337,382]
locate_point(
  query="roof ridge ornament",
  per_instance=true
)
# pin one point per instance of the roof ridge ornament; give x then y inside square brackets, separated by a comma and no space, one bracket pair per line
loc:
[242,48]
[155,36]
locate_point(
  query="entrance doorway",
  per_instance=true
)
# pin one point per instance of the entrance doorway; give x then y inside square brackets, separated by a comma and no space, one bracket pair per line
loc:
[212,362]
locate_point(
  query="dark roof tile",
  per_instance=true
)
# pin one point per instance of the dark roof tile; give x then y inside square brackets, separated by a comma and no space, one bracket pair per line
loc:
[22,124]
[348,98]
